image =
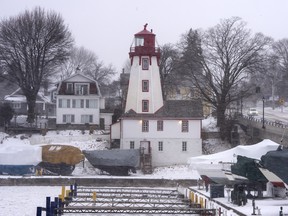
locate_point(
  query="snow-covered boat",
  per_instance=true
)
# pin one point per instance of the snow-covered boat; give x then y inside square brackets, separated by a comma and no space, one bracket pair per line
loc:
[217,167]
[114,161]
[277,162]
[19,159]
[220,174]
[60,159]
[249,168]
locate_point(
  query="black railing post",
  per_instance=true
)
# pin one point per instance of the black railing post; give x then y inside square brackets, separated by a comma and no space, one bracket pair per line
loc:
[39,211]
[48,205]
[263,125]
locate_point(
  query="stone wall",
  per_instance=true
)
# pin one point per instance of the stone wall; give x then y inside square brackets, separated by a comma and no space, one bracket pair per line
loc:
[97,182]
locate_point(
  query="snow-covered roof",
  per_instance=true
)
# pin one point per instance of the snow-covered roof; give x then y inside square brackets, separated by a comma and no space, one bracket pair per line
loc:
[78,75]
[17,96]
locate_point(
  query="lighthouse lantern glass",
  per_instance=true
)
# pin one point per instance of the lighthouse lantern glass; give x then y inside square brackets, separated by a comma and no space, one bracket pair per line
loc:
[139,41]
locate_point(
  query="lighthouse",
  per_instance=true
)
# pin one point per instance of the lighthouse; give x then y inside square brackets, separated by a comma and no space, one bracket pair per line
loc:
[144,90]
[167,132]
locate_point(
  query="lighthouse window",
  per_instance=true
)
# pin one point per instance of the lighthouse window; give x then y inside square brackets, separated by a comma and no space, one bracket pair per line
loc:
[145,85]
[145,105]
[139,41]
[145,63]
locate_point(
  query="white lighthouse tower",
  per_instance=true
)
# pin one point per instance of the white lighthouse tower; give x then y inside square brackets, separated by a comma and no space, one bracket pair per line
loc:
[144,91]
[167,132]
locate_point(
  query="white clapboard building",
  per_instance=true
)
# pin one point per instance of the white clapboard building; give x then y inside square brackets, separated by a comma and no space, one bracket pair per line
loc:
[79,102]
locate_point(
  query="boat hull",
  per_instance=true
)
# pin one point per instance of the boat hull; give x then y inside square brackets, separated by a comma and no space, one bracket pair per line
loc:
[115,161]
[57,169]
[60,159]
[17,169]
[276,162]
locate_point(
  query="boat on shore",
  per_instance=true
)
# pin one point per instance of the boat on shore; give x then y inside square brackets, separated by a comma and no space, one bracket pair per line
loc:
[115,161]
[238,161]
[276,162]
[19,159]
[59,159]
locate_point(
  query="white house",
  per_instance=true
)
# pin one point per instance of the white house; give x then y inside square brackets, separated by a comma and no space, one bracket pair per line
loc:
[79,102]
[170,131]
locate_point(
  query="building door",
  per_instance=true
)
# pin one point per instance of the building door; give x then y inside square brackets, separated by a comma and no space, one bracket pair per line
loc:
[145,147]
[102,124]
[145,157]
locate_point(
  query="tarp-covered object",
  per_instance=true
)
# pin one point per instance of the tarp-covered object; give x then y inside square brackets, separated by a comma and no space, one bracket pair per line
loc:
[114,157]
[216,166]
[19,159]
[247,167]
[20,154]
[57,154]
[17,169]
[252,151]
[277,162]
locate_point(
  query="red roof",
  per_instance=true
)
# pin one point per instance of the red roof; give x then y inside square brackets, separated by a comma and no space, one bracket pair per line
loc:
[144,31]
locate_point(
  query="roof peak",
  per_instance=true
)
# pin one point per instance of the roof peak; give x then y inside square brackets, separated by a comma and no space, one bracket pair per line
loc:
[145,31]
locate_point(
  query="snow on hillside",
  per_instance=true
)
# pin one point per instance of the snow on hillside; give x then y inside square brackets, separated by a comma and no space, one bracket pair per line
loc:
[86,141]
[72,137]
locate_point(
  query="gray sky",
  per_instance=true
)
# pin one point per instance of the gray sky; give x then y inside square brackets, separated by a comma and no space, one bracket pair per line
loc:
[107,27]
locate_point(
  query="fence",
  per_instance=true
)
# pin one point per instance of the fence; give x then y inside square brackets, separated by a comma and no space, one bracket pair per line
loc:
[206,202]
[122,200]
[53,208]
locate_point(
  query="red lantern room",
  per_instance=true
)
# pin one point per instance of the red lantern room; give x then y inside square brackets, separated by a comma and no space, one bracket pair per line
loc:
[144,45]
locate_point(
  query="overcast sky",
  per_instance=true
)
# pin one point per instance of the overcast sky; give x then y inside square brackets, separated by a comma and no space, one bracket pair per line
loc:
[107,27]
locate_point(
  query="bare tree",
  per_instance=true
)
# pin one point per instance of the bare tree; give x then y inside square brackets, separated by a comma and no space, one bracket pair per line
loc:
[80,60]
[272,76]
[167,68]
[280,49]
[102,74]
[32,45]
[84,61]
[221,61]
[126,66]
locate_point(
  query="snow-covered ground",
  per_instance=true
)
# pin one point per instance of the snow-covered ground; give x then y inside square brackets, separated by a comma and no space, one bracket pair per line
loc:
[23,200]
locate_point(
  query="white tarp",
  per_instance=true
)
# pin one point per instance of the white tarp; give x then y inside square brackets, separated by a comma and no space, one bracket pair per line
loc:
[20,154]
[230,156]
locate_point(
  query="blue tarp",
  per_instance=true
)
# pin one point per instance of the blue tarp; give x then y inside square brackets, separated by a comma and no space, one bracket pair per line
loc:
[17,169]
